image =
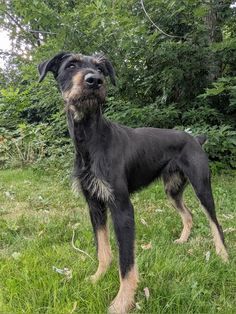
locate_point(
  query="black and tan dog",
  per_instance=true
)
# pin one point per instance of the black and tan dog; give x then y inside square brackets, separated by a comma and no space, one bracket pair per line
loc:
[112,161]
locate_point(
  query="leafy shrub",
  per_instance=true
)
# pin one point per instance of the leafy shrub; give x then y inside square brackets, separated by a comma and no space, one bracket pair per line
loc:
[30,144]
[134,116]
[222,94]
[10,104]
[220,145]
[24,146]
[203,114]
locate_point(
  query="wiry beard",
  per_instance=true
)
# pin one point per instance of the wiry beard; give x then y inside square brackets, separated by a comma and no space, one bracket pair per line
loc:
[83,106]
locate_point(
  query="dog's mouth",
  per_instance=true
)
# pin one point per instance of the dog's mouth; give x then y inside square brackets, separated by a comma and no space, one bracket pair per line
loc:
[91,101]
[83,105]
[87,98]
[83,102]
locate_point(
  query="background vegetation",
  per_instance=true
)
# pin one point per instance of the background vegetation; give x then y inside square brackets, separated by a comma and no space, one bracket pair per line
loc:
[186,80]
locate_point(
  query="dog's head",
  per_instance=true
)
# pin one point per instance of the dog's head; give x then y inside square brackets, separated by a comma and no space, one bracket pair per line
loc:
[81,78]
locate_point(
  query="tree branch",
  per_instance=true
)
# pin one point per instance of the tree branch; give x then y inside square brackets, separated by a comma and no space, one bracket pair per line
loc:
[156,26]
[33,33]
[41,32]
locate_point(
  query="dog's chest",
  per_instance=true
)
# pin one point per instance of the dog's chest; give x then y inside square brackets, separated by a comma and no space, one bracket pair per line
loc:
[89,178]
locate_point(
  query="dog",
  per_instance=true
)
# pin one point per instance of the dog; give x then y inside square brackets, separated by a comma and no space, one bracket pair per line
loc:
[112,161]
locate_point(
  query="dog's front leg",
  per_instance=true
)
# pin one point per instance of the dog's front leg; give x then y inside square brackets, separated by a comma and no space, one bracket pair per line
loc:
[98,215]
[123,219]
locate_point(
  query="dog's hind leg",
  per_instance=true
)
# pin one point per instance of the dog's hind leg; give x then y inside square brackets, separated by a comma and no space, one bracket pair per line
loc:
[197,170]
[98,215]
[175,183]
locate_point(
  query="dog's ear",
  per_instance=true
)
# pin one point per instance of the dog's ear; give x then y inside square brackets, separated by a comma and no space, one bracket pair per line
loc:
[110,71]
[107,67]
[52,65]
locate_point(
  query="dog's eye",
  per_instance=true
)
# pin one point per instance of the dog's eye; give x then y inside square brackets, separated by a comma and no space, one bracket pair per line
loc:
[99,70]
[71,66]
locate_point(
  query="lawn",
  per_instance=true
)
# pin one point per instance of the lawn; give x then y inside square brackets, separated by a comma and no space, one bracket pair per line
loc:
[38,213]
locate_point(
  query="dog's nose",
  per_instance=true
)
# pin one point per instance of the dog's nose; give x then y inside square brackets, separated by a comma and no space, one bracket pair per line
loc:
[93,80]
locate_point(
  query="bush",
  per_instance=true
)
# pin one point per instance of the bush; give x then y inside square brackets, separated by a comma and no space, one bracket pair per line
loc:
[24,146]
[30,144]
[220,145]
[126,113]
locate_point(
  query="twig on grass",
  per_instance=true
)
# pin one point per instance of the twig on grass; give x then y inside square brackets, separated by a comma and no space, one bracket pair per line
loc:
[76,248]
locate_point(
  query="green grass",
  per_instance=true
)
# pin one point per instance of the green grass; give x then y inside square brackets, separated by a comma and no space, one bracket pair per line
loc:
[37,213]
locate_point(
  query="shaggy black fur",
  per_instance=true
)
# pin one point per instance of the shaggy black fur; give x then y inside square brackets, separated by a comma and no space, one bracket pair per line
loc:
[112,160]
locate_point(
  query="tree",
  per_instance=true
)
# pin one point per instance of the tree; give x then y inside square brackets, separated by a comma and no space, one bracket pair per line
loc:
[186,78]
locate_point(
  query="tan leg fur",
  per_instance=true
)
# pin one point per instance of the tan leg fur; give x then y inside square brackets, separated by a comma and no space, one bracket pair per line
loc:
[187,220]
[104,253]
[124,300]
[219,245]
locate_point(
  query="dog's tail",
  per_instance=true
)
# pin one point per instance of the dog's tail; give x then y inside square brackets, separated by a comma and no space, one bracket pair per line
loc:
[201,139]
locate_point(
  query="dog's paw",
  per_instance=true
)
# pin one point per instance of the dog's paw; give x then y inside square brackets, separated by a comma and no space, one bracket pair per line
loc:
[112,309]
[223,254]
[120,306]
[94,278]
[180,241]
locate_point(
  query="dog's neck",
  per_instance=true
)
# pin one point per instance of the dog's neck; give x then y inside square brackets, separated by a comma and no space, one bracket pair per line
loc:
[87,129]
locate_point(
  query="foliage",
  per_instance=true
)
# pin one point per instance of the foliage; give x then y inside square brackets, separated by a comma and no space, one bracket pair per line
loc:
[224,90]
[32,144]
[162,81]
[220,145]
[24,146]
[136,116]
